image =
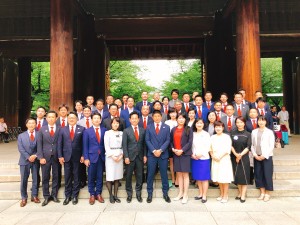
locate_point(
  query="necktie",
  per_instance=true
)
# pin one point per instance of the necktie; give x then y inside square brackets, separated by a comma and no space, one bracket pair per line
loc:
[39,126]
[51,132]
[118,114]
[31,136]
[144,103]
[218,116]
[63,123]
[199,112]
[186,108]
[254,124]
[72,133]
[224,107]
[136,134]
[97,135]
[229,124]
[145,123]
[262,112]
[166,110]
[208,105]
[239,111]
[157,128]
[87,123]
[125,106]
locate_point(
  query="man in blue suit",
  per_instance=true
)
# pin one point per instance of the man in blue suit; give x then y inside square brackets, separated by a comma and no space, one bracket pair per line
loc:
[47,154]
[94,157]
[69,149]
[130,108]
[100,109]
[157,141]
[144,101]
[28,161]
[40,118]
[208,103]
[201,110]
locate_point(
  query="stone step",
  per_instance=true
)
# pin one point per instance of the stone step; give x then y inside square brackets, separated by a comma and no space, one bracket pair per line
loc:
[282,188]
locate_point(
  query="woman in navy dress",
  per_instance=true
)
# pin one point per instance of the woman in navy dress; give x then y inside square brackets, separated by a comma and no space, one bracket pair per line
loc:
[181,144]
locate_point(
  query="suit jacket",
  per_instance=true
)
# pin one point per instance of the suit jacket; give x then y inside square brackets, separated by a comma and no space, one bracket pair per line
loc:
[253,105]
[249,125]
[164,117]
[47,145]
[205,111]
[158,141]
[82,122]
[66,147]
[244,110]
[80,117]
[26,147]
[106,107]
[233,126]
[186,141]
[125,116]
[211,106]
[43,124]
[221,114]
[104,114]
[107,123]
[190,105]
[131,147]
[139,105]
[58,124]
[91,147]
[148,121]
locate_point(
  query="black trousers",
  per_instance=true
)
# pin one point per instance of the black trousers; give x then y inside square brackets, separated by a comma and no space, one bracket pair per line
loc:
[46,168]
[72,184]
[136,166]
[263,173]
[82,173]
[4,136]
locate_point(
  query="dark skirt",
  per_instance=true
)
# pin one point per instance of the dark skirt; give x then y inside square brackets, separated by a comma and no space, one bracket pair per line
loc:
[182,163]
[201,169]
[241,170]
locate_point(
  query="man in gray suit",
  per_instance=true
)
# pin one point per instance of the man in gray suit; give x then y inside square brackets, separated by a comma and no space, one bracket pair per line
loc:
[229,119]
[28,161]
[113,109]
[240,109]
[134,150]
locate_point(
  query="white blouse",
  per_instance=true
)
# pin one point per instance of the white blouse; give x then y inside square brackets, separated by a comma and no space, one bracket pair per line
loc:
[201,144]
[171,124]
[267,142]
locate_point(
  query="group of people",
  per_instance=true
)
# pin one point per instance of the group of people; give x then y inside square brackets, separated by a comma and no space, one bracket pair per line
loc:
[214,141]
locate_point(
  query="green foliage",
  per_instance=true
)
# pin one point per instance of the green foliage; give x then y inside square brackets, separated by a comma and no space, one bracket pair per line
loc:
[125,78]
[188,80]
[40,81]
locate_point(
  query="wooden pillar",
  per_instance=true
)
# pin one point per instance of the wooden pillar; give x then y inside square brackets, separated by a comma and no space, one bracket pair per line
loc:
[100,68]
[248,47]
[61,54]
[25,101]
[296,97]
[287,83]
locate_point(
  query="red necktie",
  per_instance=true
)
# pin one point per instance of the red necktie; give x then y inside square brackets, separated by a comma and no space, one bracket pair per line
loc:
[262,112]
[229,124]
[72,133]
[63,123]
[157,128]
[97,135]
[254,125]
[31,136]
[39,126]
[199,112]
[87,123]
[51,132]
[208,105]
[186,108]
[239,111]
[118,114]
[125,106]
[145,123]
[136,134]
[144,103]
[224,107]
[218,116]
[166,110]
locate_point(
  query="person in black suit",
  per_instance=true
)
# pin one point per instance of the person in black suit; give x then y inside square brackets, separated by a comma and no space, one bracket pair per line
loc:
[47,154]
[261,107]
[178,108]
[143,102]
[124,100]
[69,150]
[130,108]
[79,109]
[109,100]
[186,104]
[134,150]
[145,119]
[208,103]
[113,109]
[62,120]
[244,101]
[100,109]
[40,118]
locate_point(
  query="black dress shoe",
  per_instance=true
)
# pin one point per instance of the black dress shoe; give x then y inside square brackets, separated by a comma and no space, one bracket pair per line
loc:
[237,198]
[242,200]
[66,201]
[75,200]
[167,198]
[45,202]
[55,199]
[203,200]
[129,198]
[139,198]
[149,199]
[117,199]
[198,198]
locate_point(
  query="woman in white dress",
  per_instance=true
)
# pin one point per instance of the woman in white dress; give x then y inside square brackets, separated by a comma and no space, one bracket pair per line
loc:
[221,170]
[113,159]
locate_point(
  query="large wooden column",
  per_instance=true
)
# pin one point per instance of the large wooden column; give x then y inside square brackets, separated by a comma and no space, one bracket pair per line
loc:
[25,101]
[61,54]
[100,68]
[248,47]
[287,83]
[296,96]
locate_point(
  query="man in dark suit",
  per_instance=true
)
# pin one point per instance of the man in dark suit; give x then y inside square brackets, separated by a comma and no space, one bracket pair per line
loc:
[47,154]
[157,141]
[261,107]
[94,157]
[100,109]
[79,109]
[124,100]
[208,103]
[130,108]
[69,148]
[218,110]
[251,123]
[145,119]
[40,118]
[156,105]
[28,161]
[143,102]
[240,109]
[134,150]
[62,120]
[229,119]
[113,109]
[244,101]
[186,104]
[109,100]
[201,111]
[178,108]
[259,94]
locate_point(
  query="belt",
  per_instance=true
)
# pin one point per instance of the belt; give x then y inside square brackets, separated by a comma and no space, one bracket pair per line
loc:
[116,148]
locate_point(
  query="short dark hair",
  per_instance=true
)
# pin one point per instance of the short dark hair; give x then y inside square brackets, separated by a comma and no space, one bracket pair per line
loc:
[52,111]
[219,123]
[113,104]
[197,96]
[207,92]
[224,93]
[260,99]
[164,98]
[156,112]
[96,114]
[185,93]
[175,90]
[156,101]
[100,100]
[260,117]
[134,113]
[115,119]
[41,107]
[72,113]
[130,97]
[79,101]
[241,119]
[125,95]
[194,128]
[30,118]
[238,93]
[63,106]
[87,106]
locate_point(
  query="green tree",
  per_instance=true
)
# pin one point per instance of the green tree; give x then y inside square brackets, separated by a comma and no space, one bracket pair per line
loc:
[40,81]
[125,78]
[188,80]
